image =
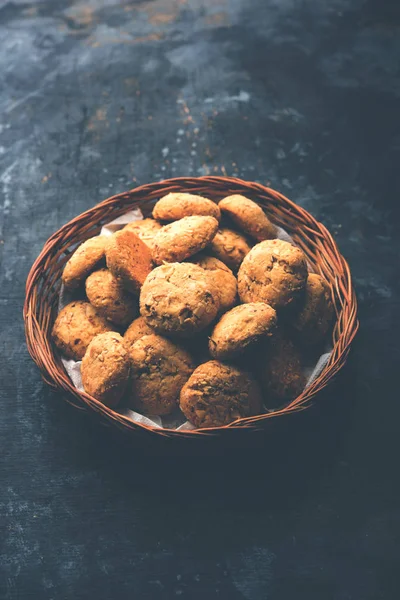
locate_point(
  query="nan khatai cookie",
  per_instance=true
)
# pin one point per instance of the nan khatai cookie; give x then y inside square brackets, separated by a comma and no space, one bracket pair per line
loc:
[105,368]
[175,206]
[136,330]
[223,278]
[129,259]
[84,260]
[240,328]
[281,371]
[146,230]
[230,247]
[160,368]
[107,295]
[75,327]
[274,272]
[250,217]
[314,318]
[179,299]
[217,394]
[183,238]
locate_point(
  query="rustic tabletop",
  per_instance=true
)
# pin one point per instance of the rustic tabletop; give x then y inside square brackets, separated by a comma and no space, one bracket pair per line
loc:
[97,97]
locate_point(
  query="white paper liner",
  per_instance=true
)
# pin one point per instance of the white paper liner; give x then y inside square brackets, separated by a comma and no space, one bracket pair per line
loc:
[177,420]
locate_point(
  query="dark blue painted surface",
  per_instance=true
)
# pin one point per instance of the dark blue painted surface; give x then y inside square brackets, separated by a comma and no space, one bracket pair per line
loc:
[98,96]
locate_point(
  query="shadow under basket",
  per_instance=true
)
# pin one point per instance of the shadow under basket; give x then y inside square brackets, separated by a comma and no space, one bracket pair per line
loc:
[44,283]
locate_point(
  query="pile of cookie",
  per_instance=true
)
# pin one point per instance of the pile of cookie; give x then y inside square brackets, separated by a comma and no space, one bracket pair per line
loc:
[200,308]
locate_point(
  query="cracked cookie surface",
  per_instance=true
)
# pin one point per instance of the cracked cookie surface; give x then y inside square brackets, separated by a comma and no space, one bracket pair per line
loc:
[136,330]
[179,299]
[223,278]
[105,368]
[248,216]
[274,272]
[183,238]
[160,368]
[75,327]
[240,328]
[230,247]
[108,296]
[217,394]
[85,258]
[175,206]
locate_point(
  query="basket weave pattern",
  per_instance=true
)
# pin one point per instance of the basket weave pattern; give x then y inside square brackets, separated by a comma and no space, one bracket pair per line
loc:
[44,282]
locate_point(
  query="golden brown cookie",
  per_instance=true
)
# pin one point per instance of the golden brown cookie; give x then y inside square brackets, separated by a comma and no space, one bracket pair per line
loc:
[274,272]
[105,368]
[230,247]
[183,238]
[84,260]
[175,206]
[217,394]
[106,294]
[224,279]
[249,217]
[240,328]
[160,368]
[75,327]
[314,318]
[129,259]
[146,230]
[281,371]
[136,330]
[179,299]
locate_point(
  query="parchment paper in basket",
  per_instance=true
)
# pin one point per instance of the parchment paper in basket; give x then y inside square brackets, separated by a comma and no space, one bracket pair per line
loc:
[177,420]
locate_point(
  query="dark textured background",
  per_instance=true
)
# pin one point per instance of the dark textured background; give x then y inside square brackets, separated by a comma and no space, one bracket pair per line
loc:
[98,96]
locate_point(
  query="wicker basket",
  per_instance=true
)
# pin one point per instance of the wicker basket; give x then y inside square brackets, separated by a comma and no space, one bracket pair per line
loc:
[43,286]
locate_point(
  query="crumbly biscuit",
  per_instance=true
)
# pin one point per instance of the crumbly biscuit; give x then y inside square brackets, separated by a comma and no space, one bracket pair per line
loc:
[183,238]
[106,294]
[175,206]
[217,394]
[281,371]
[249,216]
[84,260]
[224,279]
[145,229]
[105,368]
[136,330]
[240,328]
[129,259]
[179,299]
[274,272]
[314,318]
[75,327]
[160,368]
[230,247]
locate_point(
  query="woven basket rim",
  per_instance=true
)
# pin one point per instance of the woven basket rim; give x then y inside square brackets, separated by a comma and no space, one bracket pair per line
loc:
[315,240]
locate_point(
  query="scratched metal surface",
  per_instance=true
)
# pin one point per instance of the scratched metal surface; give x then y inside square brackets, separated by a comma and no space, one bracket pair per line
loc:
[98,96]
